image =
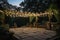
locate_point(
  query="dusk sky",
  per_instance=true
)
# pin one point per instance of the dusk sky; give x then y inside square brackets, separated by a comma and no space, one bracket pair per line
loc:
[15,2]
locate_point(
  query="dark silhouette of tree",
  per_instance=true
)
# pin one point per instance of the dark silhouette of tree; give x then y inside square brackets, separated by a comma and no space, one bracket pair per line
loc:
[5,5]
[35,5]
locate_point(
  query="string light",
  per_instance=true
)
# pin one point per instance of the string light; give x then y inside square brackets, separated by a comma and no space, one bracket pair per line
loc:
[26,14]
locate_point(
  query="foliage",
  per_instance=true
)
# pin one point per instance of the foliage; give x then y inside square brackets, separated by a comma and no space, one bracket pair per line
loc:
[31,18]
[35,5]
[53,8]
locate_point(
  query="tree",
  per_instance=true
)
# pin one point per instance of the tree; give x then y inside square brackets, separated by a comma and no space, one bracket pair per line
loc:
[35,5]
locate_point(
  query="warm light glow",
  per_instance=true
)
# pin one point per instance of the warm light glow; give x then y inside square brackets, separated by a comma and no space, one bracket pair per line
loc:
[25,14]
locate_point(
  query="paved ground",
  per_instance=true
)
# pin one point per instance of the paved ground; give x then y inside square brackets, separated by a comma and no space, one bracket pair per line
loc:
[32,33]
